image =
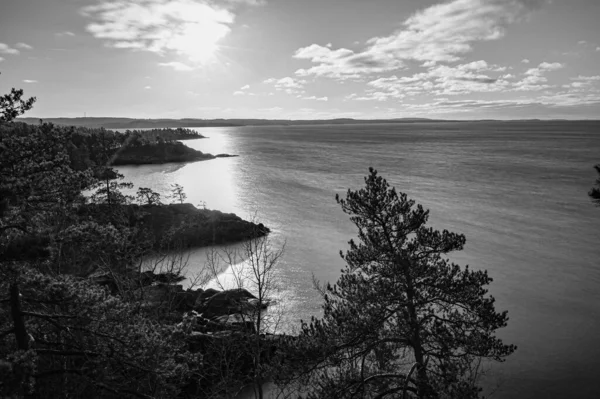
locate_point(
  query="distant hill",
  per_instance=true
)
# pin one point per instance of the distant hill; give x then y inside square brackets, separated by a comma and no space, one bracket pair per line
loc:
[131,123]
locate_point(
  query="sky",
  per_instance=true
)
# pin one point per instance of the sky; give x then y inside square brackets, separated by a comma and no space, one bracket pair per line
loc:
[304,59]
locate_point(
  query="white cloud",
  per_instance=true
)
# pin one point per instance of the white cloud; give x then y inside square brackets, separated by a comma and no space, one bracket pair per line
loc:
[474,66]
[315,98]
[30,81]
[65,33]
[343,63]
[525,61]
[438,80]
[531,83]
[238,93]
[597,48]
[246,87]
[583,83]
[547,66]
[1,59]
[273,109]
[147,87]
[6,49]
[544,67]
[535,80]
[178,66]
[248,2]
[373,96]
[24,46]
[187,28]
[441,33]
[287,85]
[587,78]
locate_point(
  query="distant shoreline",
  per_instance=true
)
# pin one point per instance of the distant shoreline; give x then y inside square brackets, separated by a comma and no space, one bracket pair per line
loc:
[133,123]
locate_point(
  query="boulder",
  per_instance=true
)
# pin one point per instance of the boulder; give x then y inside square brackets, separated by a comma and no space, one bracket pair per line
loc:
[226,302]
[237,322]
[186,301]
[159,293]
[203,296]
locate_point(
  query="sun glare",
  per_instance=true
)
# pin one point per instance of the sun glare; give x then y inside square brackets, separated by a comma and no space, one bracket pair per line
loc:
[199,29]
[185,27]
[198,41]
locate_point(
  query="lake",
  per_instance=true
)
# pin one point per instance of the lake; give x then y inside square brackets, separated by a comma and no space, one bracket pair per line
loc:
[517,190]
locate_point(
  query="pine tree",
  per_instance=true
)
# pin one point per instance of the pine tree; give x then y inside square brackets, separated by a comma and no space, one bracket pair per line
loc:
[13,104]
[402,321]
[177,193]
[147,196]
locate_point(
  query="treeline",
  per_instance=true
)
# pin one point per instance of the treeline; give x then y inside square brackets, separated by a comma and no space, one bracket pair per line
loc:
[98,147]
[90,306]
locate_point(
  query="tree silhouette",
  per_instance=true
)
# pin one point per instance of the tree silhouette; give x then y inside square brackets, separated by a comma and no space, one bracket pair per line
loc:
[401,320]
[177,193]
[12,105]
[146,196]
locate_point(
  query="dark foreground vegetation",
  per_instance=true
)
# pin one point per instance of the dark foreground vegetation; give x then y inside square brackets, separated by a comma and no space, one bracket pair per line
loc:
[90,304]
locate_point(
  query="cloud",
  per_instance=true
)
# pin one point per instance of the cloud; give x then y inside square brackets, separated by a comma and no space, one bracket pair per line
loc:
[188,28]
[24,46]
[534,79]
[315,98]
[273,109]
[1,59]
[547,66]
[65,33]
[29,81]
[6,49]
[597,48]
[248,2]
[582,83]
[246,87]
[343,63]
[178,66]
[147,87]
[544,67]
[438,80]
[587,78]
[440,33]
[531,82]
[238,93]
[287,85]
[525,61]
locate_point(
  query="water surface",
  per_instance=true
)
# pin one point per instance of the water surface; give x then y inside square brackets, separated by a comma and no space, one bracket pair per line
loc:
[518,191]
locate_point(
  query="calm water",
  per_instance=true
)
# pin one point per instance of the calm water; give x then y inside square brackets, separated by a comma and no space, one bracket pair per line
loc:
[518,191]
